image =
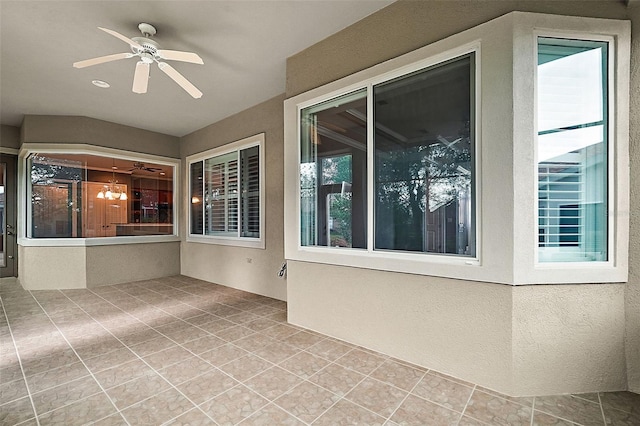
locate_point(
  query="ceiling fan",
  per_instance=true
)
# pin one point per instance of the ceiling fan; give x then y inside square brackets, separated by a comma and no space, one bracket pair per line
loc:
[148,51]
[140,166]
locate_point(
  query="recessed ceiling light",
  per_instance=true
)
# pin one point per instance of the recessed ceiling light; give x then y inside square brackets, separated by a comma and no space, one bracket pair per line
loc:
[101,84]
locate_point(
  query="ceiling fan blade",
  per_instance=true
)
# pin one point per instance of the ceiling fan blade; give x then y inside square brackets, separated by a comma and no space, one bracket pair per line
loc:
[141,78]
[179,78]
[121,37]
[102,60]
[176,55]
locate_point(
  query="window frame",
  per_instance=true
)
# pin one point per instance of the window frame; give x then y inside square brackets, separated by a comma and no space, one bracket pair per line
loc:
[506,163]
[611,134]
[400,261]
[226,240]
[25,209]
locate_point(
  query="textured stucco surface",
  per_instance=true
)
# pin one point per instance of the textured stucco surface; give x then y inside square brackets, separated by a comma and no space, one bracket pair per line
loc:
[456,327]
[9,137]
[116,264]
[248,269]
[568,338]
[632,296]
[48,268]
[559,338]
[85,130]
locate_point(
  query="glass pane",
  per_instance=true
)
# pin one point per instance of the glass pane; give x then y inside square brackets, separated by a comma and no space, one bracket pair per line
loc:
[424,160]
[333,173]
[572,150]
[197,215]
[250,168]
[86,196]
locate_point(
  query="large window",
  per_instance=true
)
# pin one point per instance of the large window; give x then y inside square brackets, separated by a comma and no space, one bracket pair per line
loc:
[572,93]
[470,158]
[74,195]
[422,152]
[226,194]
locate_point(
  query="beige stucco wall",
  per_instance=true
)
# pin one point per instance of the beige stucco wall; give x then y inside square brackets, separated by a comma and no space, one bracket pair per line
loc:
[519,340]
[632,296]
[85,130]
[47,268]
[131,262]
[457,327]
[9,137]
[249,269]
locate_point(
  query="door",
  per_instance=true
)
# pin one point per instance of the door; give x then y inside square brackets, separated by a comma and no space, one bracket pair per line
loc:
[8,200]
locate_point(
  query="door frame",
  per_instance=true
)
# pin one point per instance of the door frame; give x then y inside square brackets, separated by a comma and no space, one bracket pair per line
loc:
[9,224]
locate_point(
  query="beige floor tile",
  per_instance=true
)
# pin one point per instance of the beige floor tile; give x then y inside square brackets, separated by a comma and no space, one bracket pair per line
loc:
[277,352]
[254,342]
[65,394]
[337,379]
[346,413]
[136,390]
[307,401]
[80,412]
[56,376]
[360,361]
[10,391]
[207,386]
[577,410]
[544,419]
[140,336]
[417,411]
[270,416]
[260,324]
[615,417]
[304,364]
[203,344]
[524,400]
[217,326]
[376,396]
[233,406]
[158,409]
[273,382]
[16,411]
[163,359]
[110,359]
[494,410]
[234,333]
[442,391]
[281,331]
[112,420]
[623,401]
[329,349]
[41,364]
[122,373]
[152,346]
[397,374]
[185,370]
[303,339]
[223,354]
[246,367]
[193,417]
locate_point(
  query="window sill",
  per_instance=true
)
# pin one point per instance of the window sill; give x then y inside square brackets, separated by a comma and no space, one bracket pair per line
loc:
[256,243]
[89,242]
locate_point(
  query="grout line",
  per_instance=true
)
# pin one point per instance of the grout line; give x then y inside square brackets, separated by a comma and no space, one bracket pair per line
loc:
[15,348]
[76,353]
[467,403]
[604,418]
[533,409]
[410,392]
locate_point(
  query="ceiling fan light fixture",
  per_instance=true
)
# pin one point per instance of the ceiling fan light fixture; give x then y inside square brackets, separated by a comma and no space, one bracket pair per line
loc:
[101,84]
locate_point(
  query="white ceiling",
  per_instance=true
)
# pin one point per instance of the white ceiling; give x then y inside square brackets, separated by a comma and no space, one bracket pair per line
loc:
[244,45]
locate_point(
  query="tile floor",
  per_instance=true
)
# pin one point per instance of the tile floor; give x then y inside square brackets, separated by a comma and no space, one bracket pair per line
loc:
[183,351]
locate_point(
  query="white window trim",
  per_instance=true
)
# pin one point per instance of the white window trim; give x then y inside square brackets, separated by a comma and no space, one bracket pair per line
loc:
[528,28]
[249,242]
[505,185]
[399,261]
[24,207]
